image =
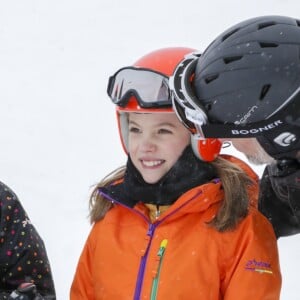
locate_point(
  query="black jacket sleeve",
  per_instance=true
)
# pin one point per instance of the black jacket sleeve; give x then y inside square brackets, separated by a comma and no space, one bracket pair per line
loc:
[279,199]
[23,256]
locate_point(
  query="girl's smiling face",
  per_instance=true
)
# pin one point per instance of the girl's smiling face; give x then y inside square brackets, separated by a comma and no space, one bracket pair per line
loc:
[156,141]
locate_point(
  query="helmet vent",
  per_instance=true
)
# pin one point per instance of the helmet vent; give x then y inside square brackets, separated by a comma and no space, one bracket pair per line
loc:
[208,107]
[226,36]
[228,60]
[264,91]
[298,23]
[265,24]
[268,45]
[211,78]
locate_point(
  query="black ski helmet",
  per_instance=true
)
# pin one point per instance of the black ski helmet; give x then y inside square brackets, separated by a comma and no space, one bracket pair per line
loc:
[250,73]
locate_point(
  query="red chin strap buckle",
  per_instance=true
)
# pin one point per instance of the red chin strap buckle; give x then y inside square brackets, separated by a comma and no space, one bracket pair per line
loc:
[209,148]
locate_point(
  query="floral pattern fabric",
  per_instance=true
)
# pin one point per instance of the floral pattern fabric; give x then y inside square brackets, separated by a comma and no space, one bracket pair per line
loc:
[23,256]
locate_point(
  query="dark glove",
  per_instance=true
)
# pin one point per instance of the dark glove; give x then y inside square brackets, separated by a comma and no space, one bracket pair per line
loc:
[25,291]
[284,167]
[280,196]
[285,181]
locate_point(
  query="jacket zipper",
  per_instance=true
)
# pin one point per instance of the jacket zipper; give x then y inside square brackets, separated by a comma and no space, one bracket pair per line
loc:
[160,255]
[140,277]
[152,227]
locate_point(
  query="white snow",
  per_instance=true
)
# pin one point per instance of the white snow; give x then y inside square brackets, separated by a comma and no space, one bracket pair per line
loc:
[58,131]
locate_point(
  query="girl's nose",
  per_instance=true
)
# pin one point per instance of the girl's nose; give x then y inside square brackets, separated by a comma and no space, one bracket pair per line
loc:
[148,144]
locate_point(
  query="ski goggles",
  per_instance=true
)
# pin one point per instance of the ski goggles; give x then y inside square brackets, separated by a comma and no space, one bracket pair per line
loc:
[150,88]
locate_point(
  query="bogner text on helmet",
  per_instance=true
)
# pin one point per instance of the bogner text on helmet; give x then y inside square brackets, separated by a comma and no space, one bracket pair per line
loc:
[257,130]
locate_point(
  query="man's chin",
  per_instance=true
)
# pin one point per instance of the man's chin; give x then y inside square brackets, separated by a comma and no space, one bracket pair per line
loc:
[256,160]
[259,160]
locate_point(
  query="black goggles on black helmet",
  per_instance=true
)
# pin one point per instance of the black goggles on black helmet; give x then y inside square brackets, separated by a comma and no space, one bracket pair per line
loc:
[193,115]
[183,99]
[150,88]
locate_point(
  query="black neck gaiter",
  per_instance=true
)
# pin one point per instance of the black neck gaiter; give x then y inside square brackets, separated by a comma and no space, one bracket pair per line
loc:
[187,173]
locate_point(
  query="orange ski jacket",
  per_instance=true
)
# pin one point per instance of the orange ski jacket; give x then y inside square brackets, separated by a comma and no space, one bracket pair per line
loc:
[179,256]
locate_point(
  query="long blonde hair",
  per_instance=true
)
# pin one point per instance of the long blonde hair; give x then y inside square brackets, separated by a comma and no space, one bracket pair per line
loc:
[235,183]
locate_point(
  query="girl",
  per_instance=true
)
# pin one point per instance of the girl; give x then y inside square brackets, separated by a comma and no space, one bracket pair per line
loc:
[169,225]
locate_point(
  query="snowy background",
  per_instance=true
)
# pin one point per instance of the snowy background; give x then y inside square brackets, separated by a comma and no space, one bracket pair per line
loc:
[58,131]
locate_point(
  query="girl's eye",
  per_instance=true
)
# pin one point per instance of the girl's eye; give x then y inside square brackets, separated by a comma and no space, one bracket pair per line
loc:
[134,129]
[164,130]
